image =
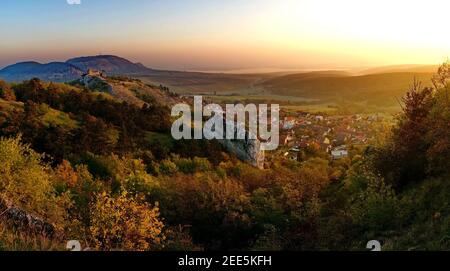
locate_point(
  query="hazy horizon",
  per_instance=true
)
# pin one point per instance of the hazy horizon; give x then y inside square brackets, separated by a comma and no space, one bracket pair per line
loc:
[228,35]
[256,70]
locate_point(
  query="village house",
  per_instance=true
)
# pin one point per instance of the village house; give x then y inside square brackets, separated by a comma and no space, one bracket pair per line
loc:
[319,118]
[286,139]
[339,152]
[289,123]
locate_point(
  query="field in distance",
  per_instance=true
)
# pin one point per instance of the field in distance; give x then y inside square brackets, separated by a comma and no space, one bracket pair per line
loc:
[382,87]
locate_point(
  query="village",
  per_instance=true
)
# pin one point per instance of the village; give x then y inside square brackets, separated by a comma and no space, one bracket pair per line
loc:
[334,135]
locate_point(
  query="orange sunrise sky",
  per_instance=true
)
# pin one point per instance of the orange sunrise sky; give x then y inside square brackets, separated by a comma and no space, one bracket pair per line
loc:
[223,35]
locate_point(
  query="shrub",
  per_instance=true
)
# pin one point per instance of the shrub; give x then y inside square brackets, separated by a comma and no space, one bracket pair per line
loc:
[25,182]
[125,223]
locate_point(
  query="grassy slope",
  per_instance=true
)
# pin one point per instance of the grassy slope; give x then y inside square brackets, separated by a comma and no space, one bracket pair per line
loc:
[200,83]
[132,91]
[381,87]
[52,116]
[59,118]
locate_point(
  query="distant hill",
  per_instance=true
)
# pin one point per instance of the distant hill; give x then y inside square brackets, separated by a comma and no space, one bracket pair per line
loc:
[110,64]
[380,88]
[400,68]
[72,69]
[206,83]
[55,71]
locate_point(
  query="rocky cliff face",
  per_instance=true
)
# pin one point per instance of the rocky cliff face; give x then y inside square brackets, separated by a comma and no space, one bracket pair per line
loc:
[23,220]
[248,150]
[96,81]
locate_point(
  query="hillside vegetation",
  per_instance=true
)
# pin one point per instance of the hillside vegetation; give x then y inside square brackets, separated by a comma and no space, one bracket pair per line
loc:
[106,172]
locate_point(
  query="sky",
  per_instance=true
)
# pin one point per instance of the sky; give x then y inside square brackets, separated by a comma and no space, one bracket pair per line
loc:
[229,35]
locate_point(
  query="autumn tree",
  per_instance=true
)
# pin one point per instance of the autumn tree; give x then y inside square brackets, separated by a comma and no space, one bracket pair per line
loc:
[25,182]
[82,188]
[125,223]
[6,93]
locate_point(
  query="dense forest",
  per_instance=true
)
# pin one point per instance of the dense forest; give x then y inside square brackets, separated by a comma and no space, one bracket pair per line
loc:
[88,167]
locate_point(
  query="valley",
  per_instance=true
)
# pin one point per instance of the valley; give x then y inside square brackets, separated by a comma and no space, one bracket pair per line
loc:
[377,87]
[226,127]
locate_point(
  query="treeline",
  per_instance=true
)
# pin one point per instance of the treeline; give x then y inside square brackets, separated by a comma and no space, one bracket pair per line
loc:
[104,122]
[103,125]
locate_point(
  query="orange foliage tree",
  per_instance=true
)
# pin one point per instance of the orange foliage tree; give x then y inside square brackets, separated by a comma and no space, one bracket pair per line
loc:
[125,223]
